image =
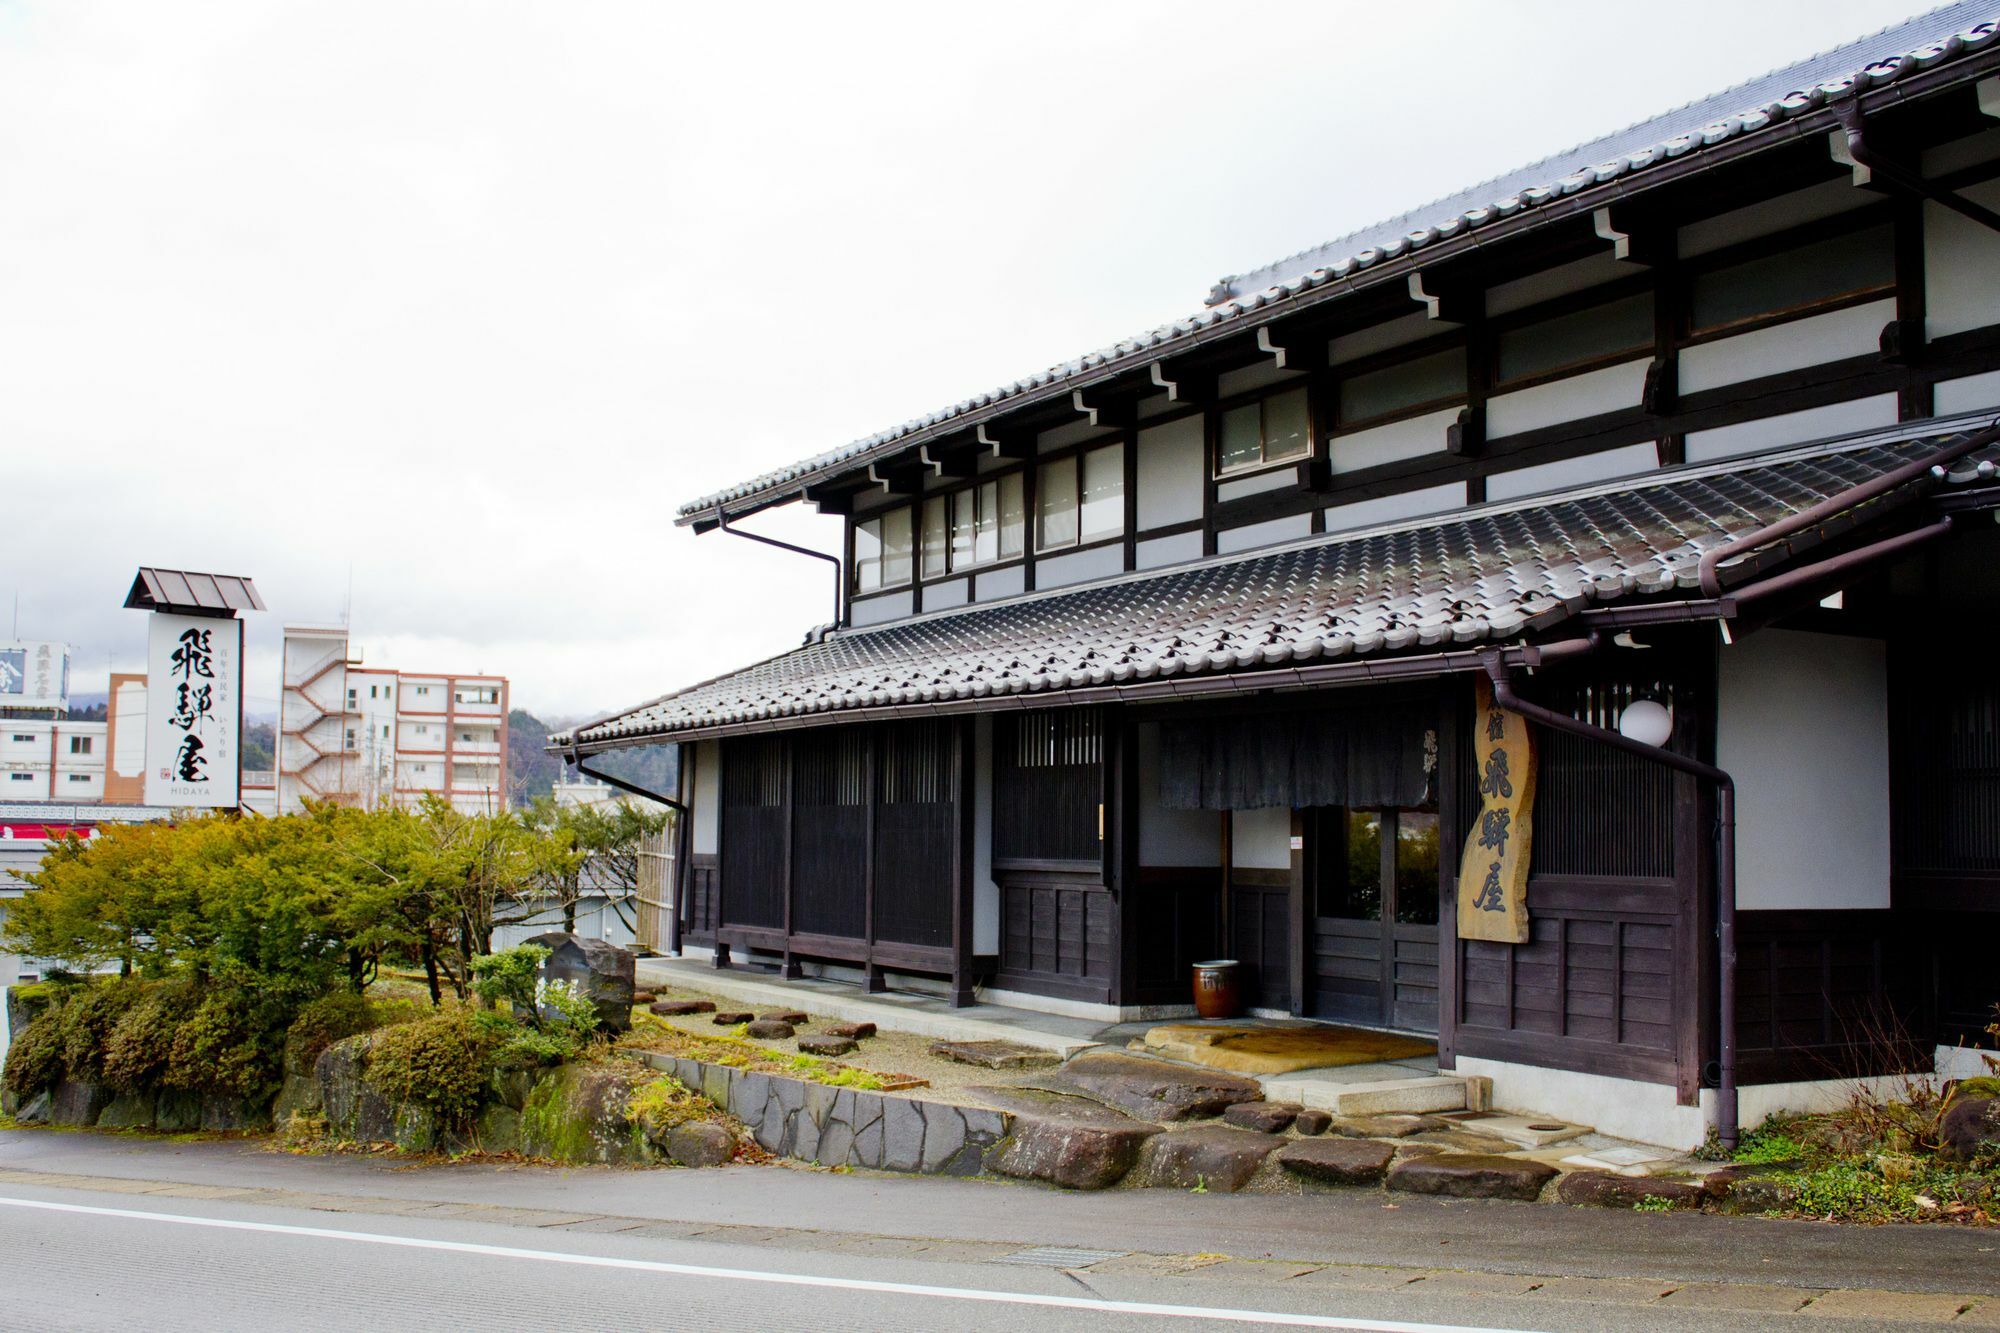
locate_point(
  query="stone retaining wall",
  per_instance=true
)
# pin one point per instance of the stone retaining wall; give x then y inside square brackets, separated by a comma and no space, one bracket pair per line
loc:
[811,1122]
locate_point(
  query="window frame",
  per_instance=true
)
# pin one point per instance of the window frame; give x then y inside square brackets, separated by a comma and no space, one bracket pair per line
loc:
[947,497]
[1459,340]
[911,507]
[1258,398]
[1074,456]
[1865,218]
[1560,307]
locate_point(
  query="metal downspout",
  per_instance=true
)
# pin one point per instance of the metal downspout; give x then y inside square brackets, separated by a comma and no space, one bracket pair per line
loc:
[1498,672]
[839,570]
[683,835]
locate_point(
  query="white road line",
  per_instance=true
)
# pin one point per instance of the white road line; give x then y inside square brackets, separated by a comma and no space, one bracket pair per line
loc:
[781,1279]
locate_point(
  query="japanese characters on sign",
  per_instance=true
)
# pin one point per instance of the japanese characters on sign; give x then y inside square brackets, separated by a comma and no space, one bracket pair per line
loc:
[194,679]
[1493,875]
[34,673]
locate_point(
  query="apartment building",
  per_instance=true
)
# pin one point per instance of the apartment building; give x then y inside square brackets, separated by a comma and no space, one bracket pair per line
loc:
[375,736]
[52,760]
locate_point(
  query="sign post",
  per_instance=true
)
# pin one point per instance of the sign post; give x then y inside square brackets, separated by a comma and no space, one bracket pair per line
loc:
[194,685]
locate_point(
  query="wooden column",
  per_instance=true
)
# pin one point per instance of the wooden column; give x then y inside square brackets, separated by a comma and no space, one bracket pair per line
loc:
[962,862]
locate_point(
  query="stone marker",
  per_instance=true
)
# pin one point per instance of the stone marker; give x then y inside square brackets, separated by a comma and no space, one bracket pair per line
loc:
[1337,1161]
[792,1016]
[1471,1176]
[769,1029]
[700,1143]
[1068,1141]
[858,1031]
[676,1008]
[1212,1157]
[1311,1120]
[601,971]
[1264,1117]
[994,1054]
[729,1018]
[1603,1189]
[1151,1089]
[826,1044]
[1970,1125]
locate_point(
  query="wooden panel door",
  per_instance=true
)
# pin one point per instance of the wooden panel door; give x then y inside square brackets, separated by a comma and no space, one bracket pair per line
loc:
[1372,915]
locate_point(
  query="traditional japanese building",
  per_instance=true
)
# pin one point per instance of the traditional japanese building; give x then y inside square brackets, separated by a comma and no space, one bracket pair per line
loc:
[1549,619]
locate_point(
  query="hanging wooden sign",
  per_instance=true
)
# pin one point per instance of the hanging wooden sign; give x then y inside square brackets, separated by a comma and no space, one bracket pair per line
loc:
[1493,873]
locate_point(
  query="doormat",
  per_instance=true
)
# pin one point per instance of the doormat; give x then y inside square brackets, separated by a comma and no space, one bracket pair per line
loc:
[1280,1048]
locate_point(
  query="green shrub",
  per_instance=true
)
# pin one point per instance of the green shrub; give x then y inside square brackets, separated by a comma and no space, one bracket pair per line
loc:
[233,1042]
[441,1062]
[508,977]
[1768,1143]
[322,1022]
[86,1020]
[34,1061]
[141,1044]
[665,1103]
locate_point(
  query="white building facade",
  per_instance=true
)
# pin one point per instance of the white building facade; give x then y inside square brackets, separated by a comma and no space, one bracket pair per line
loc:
[376,737]
[52,760]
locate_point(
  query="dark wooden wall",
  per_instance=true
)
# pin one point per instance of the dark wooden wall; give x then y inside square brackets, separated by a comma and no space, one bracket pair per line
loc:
[1176,921]
[756,810]
[1826,994]
[1058,914]
[701,915]
[1609,981]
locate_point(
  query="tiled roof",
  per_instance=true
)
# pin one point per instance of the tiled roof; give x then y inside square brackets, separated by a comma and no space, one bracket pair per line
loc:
[1761,104]
[1480,576]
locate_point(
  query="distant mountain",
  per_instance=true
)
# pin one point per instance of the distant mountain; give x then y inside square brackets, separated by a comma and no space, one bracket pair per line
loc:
[532,771]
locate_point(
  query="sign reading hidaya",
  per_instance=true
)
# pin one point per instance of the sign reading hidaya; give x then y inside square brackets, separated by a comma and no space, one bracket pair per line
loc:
[194,691]
[1493,873]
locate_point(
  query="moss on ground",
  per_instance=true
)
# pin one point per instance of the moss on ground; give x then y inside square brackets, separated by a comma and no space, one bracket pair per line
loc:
[650,1034]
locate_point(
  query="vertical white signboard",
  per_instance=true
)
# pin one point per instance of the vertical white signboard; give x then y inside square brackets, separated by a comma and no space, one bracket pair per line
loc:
[194,712]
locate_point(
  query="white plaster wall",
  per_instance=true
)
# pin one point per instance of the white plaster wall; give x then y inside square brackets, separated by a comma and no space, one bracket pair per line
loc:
[1171,837]
[1795,345]
[707,796]
[1802,724]
[1970,393]
[1261,839]
[1961,267]
[944,596]
[1576,276]
[1392,508]
[1773,215]
[1628,461]
[1381,337]
[1814,423]
[1575,398]
[1277,479]
[885,606]
[1252,535]
[1255,376]
[1096,563]
[985,893]
[1007,582]
[1171,469]
[1151,553]
[1393,443]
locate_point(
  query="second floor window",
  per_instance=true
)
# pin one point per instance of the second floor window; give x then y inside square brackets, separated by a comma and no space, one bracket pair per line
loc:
[1403,388]
[979,526]
[883,551]
[1277,429]
[1854,265]
[80,744]
[1080,499]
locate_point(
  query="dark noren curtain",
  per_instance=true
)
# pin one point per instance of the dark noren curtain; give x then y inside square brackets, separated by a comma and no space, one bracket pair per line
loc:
[1352,757]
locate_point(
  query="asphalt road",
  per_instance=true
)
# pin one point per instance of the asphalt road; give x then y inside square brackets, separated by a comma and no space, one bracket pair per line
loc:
[103,1231]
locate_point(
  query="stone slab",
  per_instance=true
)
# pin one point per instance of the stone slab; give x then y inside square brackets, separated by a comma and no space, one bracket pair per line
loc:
[1069,1141]
[855,1031]
[1222,1158]
[1151,1089]
[1605,1189]
[1337,1161]
[1312,1120]
[729,1018]
[825,1044]
[677,1008]
[1525,1131]
[994,1054]
[769,1029]
[1470,1176]
[1279,1048]
[1264,1117]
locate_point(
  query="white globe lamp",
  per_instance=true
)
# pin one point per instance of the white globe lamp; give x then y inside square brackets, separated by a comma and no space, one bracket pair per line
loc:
[1646,721]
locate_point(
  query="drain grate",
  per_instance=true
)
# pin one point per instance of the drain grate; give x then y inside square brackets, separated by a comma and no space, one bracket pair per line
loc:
[1059,1256]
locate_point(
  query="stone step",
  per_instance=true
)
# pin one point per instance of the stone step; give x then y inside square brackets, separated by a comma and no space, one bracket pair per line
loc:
[1416,1095]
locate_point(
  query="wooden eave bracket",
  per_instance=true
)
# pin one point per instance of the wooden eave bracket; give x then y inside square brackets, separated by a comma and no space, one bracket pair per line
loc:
[1183,383]
[1104,409]
[1448,305]
[1629,241]
[1003,442]
[1293,350]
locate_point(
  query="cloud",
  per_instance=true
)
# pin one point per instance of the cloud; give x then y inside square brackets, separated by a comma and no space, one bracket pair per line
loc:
[431,312]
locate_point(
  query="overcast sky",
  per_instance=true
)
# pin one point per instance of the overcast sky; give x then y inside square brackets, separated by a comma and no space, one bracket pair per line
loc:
[430,313]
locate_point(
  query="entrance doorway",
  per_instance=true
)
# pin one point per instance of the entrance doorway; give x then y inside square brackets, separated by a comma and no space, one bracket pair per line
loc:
[1370,880]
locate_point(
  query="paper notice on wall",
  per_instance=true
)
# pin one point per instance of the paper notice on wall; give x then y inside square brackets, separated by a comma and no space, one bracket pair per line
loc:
[1493,873]
[194,684]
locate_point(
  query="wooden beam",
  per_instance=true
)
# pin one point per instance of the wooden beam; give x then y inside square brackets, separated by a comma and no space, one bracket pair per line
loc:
[1006,441]
[1294,349]
[1184,383]
[1111,411]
